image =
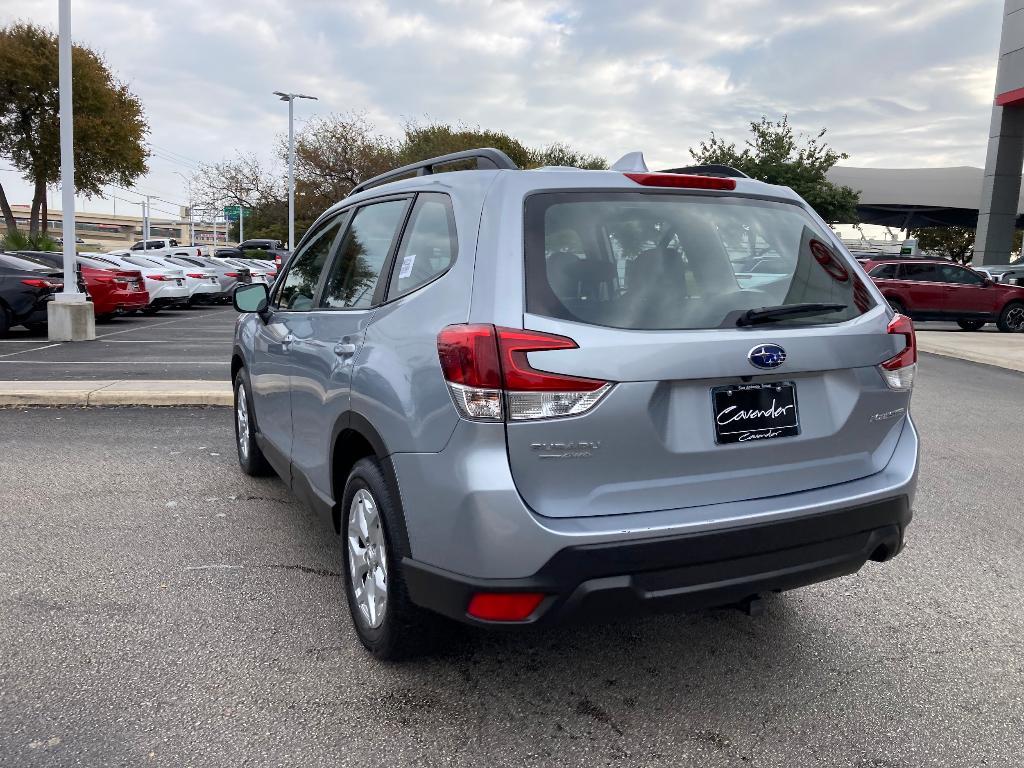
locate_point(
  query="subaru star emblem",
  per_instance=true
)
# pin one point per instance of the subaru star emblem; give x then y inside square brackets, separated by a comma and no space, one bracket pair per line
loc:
[767,356]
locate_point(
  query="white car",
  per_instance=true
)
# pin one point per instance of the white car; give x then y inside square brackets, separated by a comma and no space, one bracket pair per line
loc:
[259,274]
[202,282]
[166,284]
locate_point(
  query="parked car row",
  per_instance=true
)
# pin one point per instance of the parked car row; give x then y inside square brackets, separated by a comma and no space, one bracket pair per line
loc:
[931,289]
[134,280]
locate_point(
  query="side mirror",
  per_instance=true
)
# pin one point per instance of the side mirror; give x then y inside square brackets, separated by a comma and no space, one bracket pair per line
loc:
[987,282]
[251,297]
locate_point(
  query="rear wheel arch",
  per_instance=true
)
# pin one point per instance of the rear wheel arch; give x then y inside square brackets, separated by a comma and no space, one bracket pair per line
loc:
[355,438]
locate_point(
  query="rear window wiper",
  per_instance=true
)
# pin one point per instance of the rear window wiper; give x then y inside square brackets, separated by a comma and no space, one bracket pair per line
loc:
[784,311]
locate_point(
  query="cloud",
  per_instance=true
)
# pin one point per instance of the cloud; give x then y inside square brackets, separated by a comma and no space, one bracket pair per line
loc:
[896,82]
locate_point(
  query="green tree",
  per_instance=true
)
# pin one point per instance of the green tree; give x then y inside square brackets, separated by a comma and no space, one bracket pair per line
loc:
[108,120]
[335,153]
[775,154]
[956,243]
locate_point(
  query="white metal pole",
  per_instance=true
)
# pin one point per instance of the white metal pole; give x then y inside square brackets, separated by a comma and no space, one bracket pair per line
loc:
[67,153]
[241,215]
[291,172]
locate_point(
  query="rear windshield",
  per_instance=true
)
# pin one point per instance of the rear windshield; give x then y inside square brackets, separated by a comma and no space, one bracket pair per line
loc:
[661,261]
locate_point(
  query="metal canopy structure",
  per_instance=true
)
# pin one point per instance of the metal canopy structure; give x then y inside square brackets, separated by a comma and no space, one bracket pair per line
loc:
[917,197]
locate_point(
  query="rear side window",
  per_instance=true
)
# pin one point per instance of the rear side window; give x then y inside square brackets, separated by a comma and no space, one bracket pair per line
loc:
[428,247]
[884,271]
[299,286]
[923,273]
[356,269]
[660,262]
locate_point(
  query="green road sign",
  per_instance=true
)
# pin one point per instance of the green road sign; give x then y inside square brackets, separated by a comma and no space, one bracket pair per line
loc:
[232,212]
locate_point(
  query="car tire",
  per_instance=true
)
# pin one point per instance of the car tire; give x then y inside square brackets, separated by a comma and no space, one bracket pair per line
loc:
[250,457]
[897,306]
[971,325]
[1011,319]
[396,628]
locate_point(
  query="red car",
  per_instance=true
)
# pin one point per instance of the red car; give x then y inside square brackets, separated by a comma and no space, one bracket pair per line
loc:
[115,290]
[928,289]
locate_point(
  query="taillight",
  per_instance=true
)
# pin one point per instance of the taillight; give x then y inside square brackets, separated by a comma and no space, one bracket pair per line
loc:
[682,181]
[504,606]
[231,274]
[159,278]
[198,275]
[489,376]
[899,371]
[34,283]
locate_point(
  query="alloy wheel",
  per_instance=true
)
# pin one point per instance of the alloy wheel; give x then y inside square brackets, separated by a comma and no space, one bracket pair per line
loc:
[1015,318]
[242,421]
[367,558]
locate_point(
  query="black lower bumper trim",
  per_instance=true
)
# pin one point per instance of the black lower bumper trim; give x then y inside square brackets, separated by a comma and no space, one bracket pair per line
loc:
[680,573]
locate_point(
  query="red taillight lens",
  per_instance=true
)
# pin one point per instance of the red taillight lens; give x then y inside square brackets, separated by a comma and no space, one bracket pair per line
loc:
[519,375]
[504,606]
[485,366]
[898,371]
[232,274]
[159,278]
[682,181]
[901,325]
[33,283]
[469,356]
[198,275]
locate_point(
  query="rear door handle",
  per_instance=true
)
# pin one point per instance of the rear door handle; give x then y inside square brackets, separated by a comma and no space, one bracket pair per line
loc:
[344,350]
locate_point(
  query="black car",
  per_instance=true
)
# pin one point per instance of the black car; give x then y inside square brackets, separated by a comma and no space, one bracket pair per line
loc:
[265,249]
[45,261]
[24,294]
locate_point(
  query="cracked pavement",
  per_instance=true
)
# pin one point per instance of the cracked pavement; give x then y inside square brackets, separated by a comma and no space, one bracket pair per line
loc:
[159,608]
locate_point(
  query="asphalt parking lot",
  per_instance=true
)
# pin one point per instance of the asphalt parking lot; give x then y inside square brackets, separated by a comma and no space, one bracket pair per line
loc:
[192,343]
[160,608]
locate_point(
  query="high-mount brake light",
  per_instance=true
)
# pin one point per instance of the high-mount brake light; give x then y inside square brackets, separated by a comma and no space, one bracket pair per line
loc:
[899,371]
[490,377]
[682,181]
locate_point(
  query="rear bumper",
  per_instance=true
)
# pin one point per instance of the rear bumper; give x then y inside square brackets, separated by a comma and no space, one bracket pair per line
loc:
[682,572]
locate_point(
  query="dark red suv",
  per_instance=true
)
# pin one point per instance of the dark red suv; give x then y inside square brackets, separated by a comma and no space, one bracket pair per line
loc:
[940,290]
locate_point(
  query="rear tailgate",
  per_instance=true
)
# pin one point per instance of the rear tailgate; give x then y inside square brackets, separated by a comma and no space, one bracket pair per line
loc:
[652,303]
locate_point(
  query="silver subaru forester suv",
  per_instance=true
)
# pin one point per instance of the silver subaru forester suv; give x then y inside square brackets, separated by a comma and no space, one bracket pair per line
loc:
[521,396]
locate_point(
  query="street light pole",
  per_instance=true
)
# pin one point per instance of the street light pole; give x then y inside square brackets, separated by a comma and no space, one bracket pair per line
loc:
[69,317]
[67,154]
[290,98]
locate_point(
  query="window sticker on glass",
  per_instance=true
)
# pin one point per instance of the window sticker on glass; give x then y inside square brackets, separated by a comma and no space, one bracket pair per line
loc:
[407,265]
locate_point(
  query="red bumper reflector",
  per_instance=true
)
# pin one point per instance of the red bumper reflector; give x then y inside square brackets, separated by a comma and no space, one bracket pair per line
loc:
[504,606]
[682,181]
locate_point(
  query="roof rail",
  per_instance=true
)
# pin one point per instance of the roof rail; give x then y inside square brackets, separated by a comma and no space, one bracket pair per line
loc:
[486,157]
[713,169]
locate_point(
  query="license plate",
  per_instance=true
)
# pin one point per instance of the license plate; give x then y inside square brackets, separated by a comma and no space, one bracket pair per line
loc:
[179,282]
[748,412]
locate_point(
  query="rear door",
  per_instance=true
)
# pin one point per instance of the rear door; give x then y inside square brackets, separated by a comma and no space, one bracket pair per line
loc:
[702,410]
[926,293]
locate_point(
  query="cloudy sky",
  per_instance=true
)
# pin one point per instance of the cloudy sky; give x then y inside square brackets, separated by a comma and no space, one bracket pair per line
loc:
[898,83]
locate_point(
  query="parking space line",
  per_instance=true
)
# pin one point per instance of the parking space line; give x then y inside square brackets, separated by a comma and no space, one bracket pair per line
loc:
[116,362]
[23,351]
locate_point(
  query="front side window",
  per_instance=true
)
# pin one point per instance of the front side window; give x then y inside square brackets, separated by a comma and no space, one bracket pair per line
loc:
[299,286]
[959,275]
[669,261]
[356,270]
[428,246]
